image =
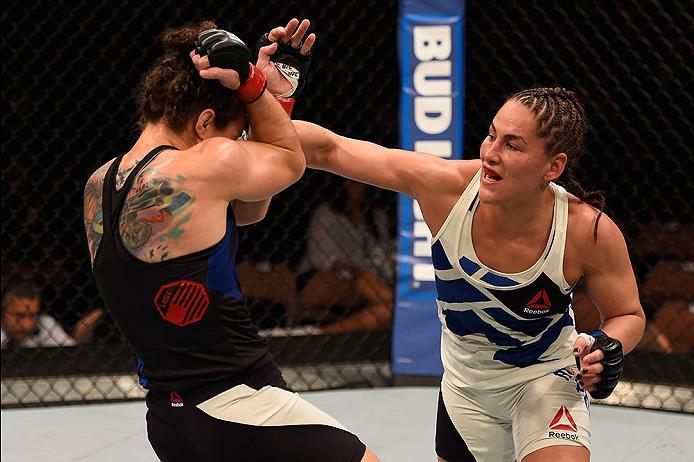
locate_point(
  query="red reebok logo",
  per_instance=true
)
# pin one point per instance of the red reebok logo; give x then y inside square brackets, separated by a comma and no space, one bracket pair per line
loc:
[176,400]
[540,301]
[563,421]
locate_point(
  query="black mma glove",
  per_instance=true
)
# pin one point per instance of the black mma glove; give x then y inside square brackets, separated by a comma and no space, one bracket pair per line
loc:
[227,51]
[224,50]
[289,62]
[612,363]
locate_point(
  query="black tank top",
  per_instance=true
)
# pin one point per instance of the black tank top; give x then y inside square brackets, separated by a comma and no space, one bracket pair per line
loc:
[185,318]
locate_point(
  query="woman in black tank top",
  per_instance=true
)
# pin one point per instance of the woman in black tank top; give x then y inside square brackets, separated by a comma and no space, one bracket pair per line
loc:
[162,222]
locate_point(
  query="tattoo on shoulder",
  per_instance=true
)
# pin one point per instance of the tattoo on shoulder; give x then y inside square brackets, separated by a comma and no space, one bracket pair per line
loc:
[122,175]
[154,216]
[93,213]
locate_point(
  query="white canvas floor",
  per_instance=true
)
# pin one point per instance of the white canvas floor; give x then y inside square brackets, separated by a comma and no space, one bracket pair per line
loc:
[396,423]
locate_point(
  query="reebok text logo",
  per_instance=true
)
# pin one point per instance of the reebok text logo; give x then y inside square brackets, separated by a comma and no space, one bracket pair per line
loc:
[563,425]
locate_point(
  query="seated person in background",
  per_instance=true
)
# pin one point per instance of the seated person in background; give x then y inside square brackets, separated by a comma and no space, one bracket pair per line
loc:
[24,326]
[670,328]
[348,265]
[270,290]
[669,288]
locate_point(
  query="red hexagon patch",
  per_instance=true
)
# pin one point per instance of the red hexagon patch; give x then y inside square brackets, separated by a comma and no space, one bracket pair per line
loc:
[182,302]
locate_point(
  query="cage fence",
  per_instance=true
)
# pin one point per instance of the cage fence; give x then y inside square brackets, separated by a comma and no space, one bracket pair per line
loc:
[319,276]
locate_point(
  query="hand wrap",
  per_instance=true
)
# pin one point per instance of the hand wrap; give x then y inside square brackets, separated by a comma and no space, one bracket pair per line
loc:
[287,104]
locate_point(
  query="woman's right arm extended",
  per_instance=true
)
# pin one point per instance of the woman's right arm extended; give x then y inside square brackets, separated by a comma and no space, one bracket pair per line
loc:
[413,173]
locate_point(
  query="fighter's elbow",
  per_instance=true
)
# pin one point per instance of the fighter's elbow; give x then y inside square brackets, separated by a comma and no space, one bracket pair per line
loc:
[319,144]
[297,166]
[251,219]
[641,321]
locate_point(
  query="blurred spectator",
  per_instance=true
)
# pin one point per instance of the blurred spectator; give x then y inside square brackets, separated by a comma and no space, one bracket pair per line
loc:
[350,230]
[348,265]
[672,328]
[25,326]
[271,291]
[669,289]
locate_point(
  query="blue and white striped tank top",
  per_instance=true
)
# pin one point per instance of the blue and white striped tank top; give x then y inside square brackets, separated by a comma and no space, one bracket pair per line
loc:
[501,329]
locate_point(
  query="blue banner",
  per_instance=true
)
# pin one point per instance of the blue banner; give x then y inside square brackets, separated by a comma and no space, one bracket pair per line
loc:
[430,41]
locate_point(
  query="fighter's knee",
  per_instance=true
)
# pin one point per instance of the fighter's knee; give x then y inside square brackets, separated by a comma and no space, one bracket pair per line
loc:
[369,456]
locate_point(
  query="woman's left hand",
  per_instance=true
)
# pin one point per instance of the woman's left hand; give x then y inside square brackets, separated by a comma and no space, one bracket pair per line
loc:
[293,34]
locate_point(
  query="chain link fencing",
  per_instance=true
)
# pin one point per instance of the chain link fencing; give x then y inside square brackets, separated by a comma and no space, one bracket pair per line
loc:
[631,63]
[318,270]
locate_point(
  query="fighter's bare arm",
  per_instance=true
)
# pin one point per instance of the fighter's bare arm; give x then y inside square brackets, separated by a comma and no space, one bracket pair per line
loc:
[434,182]
[252,170]
[248,213]
[407,172]
[93,215]
[610,281]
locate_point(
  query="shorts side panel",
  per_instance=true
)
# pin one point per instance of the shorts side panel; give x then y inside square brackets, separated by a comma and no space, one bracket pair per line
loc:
[267,406]
[293,429]
[449,444]
[488,438]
